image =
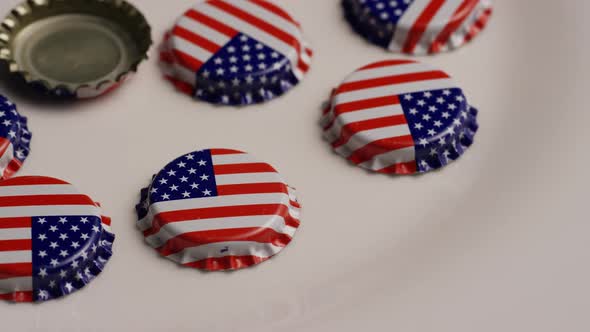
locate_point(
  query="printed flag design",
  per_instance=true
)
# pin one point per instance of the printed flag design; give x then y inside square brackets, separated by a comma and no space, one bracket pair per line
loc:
[401,117]
[418,26]
[218,210]
[15,139]
[53,240]
[235,52]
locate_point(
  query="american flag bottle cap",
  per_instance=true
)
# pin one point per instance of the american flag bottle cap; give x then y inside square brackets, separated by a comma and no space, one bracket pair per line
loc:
[418,26]
[235,52]
[15,139]
[218,210]
[72,49]
[53,239]
[399,117]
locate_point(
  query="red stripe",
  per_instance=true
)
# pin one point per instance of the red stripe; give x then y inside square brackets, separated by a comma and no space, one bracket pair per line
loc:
[275,10]
[4,144]
[421,25]
[18,297]
[195,239]
[16,245]
[196,39]
[375,148]
[181,86]
[295,204]
[251,188]
[217,152]
[387,63]
[243,168]
[362,105]
[166,57]
[227,263]
[353,128]
[212,23]
[260,24]
[24,222]
[30,181]
[482,21]
[45,200]
[392,80]
[187,60]
[16,270]
[165,218]
[401,168]
[106,220]
[309,52]
[13,166]
[458,18]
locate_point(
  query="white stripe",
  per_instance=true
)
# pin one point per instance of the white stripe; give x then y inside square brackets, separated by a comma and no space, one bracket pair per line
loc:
[10,257]
[49,210]
[287,50]
[211,202]
[363,138]
[390,158]
[15,233]
[334,132]
[6,158]
[268,17]
[393,70]
[229,159]
[393,90]
[49,189]
[248,178]
[181,44]
[405,24]
[107,228]
[203,31]
[213,250]
[22,284]
[169,231]
[436,25]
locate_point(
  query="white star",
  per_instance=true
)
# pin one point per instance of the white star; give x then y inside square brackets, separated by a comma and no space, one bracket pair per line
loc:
[245,48]
[75,245]
[207,192]
[431,132]
[181,164]
[42,221]
[2,114]
[249,79]
[413,111]
[12,134]
[408,97]
[154,190]
[204,177]
[63,236]
[69,287]
[84,220]
[94,248]
[195,186]
[174,187]
[220,71]
[84,255]
[440,100]
[446,115]
[63,253]
[163,181]
[421,103]
[171,173]
[43,294]
[233,69]
[186,194]
[427,94]
[192,171]
[42,237]
[447,92]
[423,142]
[63,220]
[248,68]
[206,74]
[426,117]
[52,284]
[218,61]
[460,98]
[74,264]
[231,49]
[442,141]
[452,107]
[424,163]
[236,81]
[262,65]
[78,276]
[259,46]
[84,236]
[457,122]
[7,123]
[202,163]
[184,179]
[274,55]
[54,262]
[190,156]
[165,197]
[261,56]
[433,152]
[233,59]
[74,228]
[53,245]
[432,108]
[418,126]
[95,229]
[437,123]
[42,253]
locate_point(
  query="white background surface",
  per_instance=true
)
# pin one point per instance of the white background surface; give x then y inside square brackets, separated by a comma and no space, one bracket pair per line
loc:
[495,242]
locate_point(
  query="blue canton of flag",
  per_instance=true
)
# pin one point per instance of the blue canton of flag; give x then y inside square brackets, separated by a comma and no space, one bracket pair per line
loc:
[13,128]
[256,72]
[63,251]
[190,176]
[387,11]
[435,122]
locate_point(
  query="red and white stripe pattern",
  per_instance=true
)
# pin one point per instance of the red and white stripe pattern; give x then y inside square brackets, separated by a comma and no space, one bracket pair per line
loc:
[204,30]
[432,26]
[365,121]
[247,215]
[21,199]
